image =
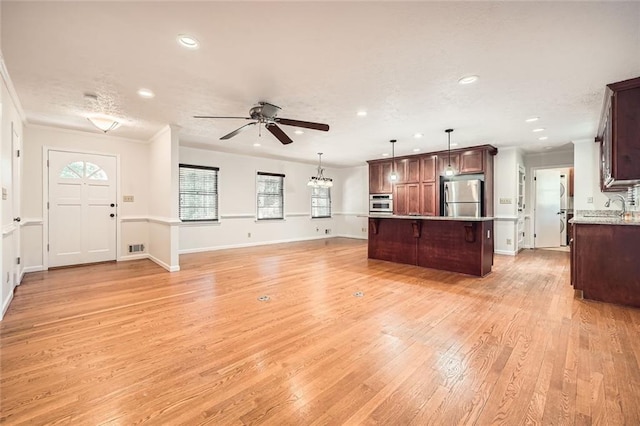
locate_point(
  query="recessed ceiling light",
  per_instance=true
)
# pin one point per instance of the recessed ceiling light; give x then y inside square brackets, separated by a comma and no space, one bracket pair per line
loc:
[362,113]
[543,138]
[384,154]
[454,144]
[532,119]
[188,41]
[468,79]
[418,135]
[146,93]
[256,144]
[548,147]
[416,149]
[539,129]
[298,132]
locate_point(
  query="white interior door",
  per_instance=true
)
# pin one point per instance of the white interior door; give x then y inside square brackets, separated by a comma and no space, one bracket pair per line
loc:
[82,208]
[547,213]
[16,181]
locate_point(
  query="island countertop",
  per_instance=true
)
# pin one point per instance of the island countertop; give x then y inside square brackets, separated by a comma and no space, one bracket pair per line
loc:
[604,220]
[415,217]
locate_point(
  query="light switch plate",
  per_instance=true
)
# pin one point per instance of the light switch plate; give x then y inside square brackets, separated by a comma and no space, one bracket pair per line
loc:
[590,200]
[4,193]
[127,198]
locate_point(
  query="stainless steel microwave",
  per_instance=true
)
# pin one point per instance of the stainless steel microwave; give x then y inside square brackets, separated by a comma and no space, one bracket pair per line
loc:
[381,203]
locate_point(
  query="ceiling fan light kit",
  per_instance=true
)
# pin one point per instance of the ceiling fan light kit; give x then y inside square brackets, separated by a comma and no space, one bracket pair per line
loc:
[319,181]
[267,114]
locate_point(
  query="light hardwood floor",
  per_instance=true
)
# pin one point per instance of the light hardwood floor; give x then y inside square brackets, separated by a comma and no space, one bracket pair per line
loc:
[130,343]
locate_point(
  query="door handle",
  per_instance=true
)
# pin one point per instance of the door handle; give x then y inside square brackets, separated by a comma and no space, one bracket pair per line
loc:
[112,215]
[16,219]
[113,205]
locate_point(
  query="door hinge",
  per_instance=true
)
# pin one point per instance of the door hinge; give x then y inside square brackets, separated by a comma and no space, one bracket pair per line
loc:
[47,163]
[18,153]
[47,205]
[535,236]
[17,261]
[47,247]
[534,178]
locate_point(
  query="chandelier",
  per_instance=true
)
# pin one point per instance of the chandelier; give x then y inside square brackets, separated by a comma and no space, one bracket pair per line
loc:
[319,181]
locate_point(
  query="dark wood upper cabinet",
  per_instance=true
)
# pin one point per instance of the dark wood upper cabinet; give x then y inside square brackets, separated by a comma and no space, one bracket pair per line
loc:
[379,182]
[428,168]
[406,199]
[471,161]
[408,170]
[443,162]
[619,136]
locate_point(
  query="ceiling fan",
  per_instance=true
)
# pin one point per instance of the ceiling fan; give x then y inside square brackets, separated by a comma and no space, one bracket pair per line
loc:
[267,114]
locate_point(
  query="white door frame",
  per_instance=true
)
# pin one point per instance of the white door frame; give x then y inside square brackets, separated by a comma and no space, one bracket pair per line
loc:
[532,190]
[45,198]
[16,182]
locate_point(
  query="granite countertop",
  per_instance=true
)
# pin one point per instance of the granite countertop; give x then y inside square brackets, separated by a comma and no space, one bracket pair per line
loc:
[604,220]
[460,218]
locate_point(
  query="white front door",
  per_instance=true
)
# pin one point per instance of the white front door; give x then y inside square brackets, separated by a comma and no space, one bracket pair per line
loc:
[82,208]
[16,181]
[548,217]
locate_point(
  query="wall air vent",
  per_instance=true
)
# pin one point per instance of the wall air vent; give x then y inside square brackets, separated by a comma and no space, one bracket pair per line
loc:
[136,248]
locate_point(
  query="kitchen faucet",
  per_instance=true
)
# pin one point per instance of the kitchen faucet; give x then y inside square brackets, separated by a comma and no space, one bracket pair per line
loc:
[622,200]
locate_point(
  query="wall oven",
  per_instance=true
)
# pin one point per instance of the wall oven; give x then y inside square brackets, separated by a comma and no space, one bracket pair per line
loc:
[381,203]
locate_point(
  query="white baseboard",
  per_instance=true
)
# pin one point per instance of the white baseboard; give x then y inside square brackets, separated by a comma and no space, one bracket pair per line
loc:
[133,257]
[28,269]
[506,252]
[259,243]
[6,304]
[356,237]
[169,268]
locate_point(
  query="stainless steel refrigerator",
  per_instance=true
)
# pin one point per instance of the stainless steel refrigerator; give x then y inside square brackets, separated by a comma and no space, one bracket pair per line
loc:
[462,198]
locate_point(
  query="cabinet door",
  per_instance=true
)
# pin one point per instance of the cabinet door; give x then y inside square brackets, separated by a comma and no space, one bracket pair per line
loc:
[413,170]
[413,198]
[571,182]
[379,177]
[400,197]
[428,199]
[443,161]
[428,168]
[471,161]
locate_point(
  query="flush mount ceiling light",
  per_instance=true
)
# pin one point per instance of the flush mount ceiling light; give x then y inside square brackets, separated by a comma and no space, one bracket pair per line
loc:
[532,119]
[145,93]
[449,170]
[188,41]
[385,154]
[416,149]
[319,181]
[104,123]
[539,129]
[468,79]
[362,113]
[393,176]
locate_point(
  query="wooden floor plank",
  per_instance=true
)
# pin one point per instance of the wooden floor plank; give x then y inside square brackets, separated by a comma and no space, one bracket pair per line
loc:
[122,343]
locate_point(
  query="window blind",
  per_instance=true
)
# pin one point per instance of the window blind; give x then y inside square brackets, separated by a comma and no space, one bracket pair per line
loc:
[198,193]
[320,202]
[270,196]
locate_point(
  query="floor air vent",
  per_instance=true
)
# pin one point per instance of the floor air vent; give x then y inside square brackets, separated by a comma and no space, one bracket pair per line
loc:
[136,248]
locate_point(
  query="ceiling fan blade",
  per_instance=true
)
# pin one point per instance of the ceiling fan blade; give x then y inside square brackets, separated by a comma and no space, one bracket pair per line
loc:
[211,116]
[236,131]
[305,124]
[278,133]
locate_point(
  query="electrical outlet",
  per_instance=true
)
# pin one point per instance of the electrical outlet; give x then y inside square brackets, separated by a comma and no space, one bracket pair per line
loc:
[590,200]
[508,241]
[364,229]
[248,234]
[505,200]
[127,198]
[317,229]
[327,231]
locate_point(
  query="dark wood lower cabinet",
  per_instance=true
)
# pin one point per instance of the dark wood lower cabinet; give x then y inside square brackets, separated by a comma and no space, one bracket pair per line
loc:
[605,262]
[429,199]
[464,246]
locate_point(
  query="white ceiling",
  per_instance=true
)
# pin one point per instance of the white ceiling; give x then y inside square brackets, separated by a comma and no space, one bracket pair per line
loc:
[324,61]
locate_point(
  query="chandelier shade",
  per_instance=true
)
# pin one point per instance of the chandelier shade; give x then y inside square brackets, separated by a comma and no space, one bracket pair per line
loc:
[319,181]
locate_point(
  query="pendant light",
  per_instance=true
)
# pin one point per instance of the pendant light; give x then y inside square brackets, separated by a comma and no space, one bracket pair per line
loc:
[393,176]
[449,170]
[319,181]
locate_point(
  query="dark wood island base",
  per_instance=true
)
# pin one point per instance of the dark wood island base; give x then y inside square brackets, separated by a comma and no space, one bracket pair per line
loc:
[462,245]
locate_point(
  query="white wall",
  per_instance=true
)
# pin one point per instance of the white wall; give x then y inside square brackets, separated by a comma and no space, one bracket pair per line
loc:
[134,169]
[163,198]
[506,164]
[237,203]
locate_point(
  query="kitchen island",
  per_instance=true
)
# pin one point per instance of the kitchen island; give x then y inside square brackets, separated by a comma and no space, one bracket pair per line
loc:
[457,244]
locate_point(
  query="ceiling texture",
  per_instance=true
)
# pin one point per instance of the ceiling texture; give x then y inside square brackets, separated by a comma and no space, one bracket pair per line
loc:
[323,62]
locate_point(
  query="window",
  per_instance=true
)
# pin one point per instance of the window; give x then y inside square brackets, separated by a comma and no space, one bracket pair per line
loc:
[270,193]
[82,169]
[320,202]
[198,193]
